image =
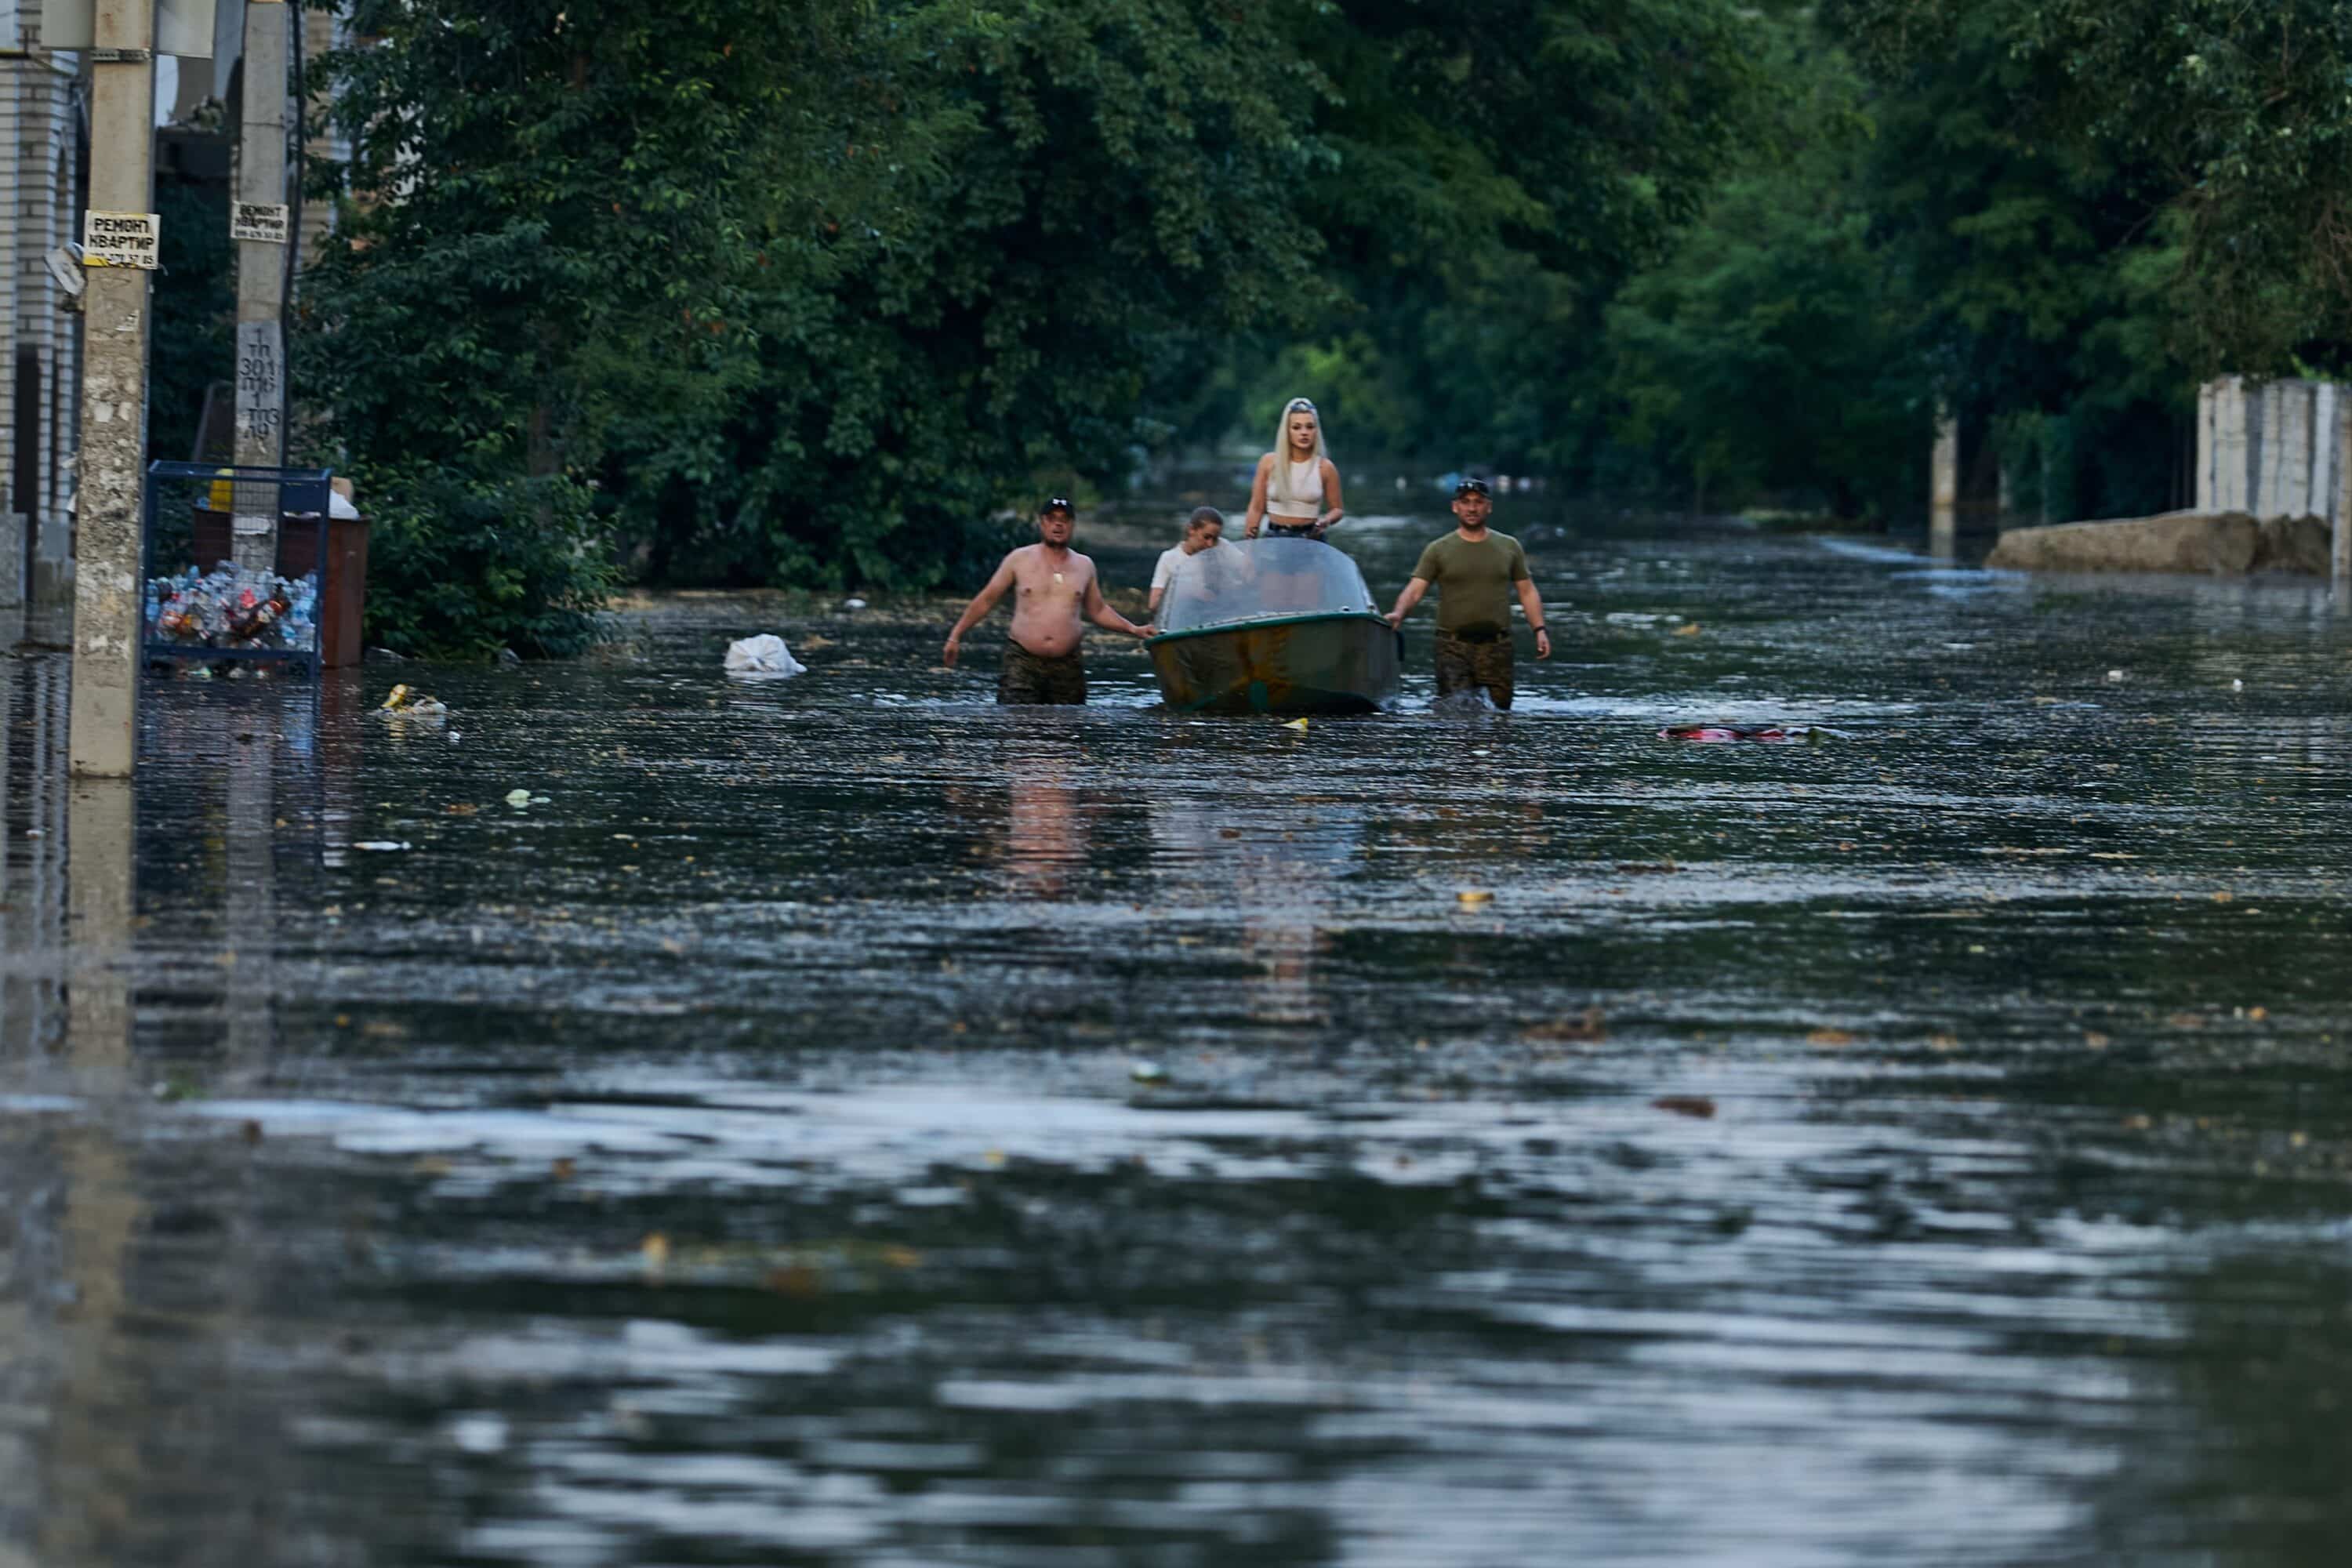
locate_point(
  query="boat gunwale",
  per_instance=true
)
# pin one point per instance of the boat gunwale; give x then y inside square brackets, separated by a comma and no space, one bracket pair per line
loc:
[1253,623]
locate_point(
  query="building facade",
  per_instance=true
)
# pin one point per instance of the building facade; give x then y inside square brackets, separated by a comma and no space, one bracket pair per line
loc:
[42,163]
[44,167]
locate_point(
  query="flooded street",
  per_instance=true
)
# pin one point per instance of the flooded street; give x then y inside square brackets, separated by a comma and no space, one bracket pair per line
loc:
[835,1121]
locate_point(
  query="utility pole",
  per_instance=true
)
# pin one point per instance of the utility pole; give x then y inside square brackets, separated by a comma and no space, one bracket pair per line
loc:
[107,590]
[1944,485]
[2339,543]
[259,226]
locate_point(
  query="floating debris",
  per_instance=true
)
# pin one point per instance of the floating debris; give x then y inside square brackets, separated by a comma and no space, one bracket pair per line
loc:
[1766,734]
[762,657]
[1587,1027]
[1474,896]
[405,703]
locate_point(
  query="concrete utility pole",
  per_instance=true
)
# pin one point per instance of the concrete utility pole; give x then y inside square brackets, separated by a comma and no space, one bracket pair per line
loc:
[2339,551]
[260,228]
[114,400]
[1944,485]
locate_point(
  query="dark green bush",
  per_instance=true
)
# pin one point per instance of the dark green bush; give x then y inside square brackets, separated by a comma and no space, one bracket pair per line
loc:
[460,567]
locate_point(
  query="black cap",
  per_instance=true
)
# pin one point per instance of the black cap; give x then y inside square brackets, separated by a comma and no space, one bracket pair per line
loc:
[1470,485]
[1058,503]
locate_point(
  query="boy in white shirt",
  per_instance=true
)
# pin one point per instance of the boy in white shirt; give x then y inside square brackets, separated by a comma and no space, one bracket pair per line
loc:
[1202,530]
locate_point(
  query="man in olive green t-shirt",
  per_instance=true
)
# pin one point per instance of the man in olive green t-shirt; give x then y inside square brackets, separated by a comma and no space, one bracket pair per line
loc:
[1477,571]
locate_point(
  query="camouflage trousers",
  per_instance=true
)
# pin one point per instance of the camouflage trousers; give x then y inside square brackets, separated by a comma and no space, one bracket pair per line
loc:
[1028,678]
[1463,664]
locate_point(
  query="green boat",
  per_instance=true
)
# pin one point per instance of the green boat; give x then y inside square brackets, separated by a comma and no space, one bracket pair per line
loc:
[1273,626]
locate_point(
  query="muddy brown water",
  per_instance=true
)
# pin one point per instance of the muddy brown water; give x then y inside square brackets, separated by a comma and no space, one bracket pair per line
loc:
[834,1122]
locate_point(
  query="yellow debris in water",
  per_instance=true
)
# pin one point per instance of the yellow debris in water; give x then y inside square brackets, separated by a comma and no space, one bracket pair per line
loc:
[401,703]
[1298,724]
[1474,896]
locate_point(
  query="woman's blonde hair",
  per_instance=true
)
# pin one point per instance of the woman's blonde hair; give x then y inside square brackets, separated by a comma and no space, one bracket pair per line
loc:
[1277,484]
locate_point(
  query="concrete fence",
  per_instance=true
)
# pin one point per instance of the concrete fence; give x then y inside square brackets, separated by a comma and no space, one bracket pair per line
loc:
[2273,449]
[2278,448]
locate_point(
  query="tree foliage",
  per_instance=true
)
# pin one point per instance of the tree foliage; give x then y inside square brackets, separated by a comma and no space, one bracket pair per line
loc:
[1773,351]
[1493,171]
[2235,117]
[808,290]
[812,292]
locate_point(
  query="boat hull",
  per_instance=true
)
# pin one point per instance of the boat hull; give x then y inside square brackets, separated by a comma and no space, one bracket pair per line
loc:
[1344,663]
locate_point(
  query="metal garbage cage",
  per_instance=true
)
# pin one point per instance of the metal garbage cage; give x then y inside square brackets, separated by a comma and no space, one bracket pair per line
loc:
[197,605]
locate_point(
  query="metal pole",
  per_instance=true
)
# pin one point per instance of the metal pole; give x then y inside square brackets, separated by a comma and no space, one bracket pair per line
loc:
[261,281]
[114,402]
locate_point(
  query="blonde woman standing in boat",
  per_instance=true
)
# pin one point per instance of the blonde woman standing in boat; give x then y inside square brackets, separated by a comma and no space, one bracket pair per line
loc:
[1298,489]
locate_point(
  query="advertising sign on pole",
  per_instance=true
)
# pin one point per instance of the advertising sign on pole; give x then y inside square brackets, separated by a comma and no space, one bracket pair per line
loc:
[120,239]
[265,221]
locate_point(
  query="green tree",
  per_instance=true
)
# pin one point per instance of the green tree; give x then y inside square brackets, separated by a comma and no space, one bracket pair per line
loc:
[1489,174]
[2027,272]
[1093,217]
[547,231]
[802,294]
[2235,117]
[1768,354]
[1771,350]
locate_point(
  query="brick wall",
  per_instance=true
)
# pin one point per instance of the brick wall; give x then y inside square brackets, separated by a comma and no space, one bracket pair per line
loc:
[39,129]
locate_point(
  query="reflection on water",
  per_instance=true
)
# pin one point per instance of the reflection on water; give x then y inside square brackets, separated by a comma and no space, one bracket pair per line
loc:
[33,741]
[1272,859]
[1044,829]
[1929,1145]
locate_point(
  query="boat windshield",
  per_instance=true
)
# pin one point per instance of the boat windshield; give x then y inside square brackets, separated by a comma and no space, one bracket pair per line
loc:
[1257,579]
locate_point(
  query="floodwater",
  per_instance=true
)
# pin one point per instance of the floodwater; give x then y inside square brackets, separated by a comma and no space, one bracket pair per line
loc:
[834,1122]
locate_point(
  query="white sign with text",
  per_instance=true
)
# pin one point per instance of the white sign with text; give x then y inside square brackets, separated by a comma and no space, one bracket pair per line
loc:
[260,386]
[264,221]
[121,239]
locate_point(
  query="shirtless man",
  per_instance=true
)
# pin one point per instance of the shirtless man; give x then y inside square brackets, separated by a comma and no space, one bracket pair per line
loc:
[1042,663]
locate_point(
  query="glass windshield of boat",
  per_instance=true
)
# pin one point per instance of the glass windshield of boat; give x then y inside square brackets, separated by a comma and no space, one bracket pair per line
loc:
[1261,579]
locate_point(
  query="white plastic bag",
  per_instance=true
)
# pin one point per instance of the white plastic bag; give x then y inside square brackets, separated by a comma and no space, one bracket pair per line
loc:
[762,657]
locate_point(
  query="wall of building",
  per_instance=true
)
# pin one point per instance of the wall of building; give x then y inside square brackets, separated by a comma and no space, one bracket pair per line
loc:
[40,378]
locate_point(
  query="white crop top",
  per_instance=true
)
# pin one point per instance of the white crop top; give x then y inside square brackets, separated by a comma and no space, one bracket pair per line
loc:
[1306,490]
